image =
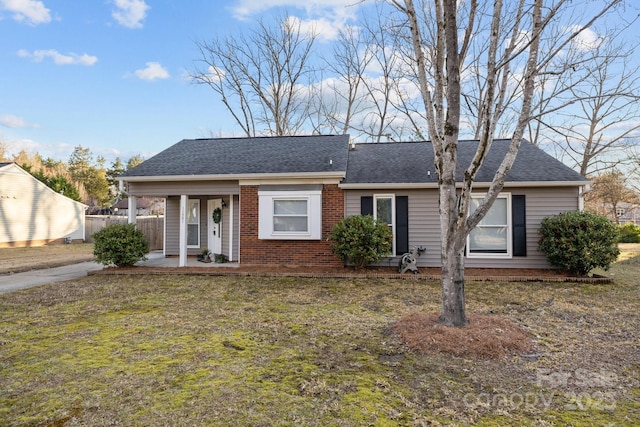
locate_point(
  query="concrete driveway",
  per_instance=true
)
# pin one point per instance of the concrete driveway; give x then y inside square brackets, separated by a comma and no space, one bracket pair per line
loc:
[29,279]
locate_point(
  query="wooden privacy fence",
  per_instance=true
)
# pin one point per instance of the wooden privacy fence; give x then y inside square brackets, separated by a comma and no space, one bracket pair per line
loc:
[151,226]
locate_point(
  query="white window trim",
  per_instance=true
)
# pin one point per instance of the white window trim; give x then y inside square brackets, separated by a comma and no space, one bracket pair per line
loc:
[314,215]
[197,202]
[488,255]
[393,216]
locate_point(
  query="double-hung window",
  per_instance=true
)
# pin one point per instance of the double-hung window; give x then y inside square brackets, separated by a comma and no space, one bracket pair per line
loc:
[492,237]
[193,223]
[384,211]
[290,214]
[392,210]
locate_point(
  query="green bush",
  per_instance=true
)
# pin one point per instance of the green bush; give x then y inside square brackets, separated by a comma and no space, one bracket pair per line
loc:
[360,240]
[120,244]
[629,233]
[579,241]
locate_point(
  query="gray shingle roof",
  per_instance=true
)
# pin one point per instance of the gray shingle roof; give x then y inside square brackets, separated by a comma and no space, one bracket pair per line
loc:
[385,163]
[409,162]
[245,156]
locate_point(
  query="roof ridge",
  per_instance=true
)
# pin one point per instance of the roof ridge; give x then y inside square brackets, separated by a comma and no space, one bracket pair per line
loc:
[263,137]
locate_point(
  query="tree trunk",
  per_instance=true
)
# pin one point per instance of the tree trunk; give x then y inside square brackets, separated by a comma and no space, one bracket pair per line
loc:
[452,281]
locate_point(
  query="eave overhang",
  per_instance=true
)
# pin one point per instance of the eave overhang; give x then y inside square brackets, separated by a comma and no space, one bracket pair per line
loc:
[233,177]
[434,185]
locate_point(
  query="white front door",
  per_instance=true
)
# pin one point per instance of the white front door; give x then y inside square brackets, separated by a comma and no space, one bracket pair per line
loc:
[214,231]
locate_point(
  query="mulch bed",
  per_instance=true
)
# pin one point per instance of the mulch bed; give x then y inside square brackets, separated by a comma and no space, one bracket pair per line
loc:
[485,336]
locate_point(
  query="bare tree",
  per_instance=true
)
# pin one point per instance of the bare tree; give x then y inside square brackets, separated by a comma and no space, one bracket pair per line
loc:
[608,191]
[3,151]
[598,130]
[379,86]
[339,100]
[259,77]
[510,65]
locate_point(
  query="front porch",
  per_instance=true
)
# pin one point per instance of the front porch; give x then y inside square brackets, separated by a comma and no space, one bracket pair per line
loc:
[157,259]
[202,220]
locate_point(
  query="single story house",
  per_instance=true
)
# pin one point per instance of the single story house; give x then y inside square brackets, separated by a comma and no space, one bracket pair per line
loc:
[279,197]
[32,214]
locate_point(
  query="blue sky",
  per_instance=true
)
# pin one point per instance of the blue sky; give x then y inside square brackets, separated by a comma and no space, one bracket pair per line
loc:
[111,74]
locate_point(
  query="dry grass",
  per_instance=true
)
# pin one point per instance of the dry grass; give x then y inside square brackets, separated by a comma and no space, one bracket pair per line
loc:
[14,260]
[192,350]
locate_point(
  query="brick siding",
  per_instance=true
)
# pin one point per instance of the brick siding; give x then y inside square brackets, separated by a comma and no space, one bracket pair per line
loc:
[254,251]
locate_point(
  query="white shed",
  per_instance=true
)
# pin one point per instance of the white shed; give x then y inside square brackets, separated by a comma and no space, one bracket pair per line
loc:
[32,214]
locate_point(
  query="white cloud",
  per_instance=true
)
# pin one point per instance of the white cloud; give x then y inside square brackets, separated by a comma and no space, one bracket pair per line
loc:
[153,71]
[55,150]
[587,39]
[321,27]
[325,18]
[130,13]
[246,8]
[15,122]
[215,75]
[58,58]
[30,11]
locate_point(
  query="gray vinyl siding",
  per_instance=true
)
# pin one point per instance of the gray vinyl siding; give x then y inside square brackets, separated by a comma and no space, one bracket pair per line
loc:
[424,228]
[172,224]
[176,188]
[226,212]
[424,225]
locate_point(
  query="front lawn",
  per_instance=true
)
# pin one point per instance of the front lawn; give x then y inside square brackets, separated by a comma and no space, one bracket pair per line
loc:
[15,260]
[190,350]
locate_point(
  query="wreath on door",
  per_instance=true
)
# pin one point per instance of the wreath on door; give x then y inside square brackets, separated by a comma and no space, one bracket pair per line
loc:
[217,215]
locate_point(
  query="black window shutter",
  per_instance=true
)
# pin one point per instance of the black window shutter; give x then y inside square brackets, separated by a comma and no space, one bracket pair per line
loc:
[366,205]
[519,224]
[402,224]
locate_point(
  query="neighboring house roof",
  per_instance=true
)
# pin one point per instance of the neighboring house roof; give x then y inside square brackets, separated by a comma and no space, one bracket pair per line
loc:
[12,167]
[413,163]
[248,156]
[141,203]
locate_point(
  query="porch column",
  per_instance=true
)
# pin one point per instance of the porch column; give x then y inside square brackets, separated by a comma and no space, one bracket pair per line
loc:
[231,227]
[132,206]
[182,260]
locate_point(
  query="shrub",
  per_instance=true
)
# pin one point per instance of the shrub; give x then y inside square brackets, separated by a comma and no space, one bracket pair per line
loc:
[579,241]
[360,240]
[629,233]
[120,244]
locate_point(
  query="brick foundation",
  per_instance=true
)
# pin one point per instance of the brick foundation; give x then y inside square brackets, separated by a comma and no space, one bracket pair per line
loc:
[254,251]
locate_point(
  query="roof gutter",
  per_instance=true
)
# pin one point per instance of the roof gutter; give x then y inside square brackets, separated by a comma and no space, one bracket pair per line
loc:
[233,177]
[428,185]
